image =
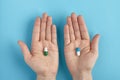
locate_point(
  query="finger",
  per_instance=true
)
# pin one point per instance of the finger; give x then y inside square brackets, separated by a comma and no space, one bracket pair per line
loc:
[43,26]
[48,29]
[36,30]
[94,43]
[25,50]
[83,28]
[75,26]
[66,35]
[54,36]
[71,31]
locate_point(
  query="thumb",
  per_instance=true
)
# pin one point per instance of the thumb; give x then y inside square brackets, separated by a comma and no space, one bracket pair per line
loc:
[25,50]
[94,43]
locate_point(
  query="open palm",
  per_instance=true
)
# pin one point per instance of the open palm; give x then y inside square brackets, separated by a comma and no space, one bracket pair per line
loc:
[76,35]
[44,35]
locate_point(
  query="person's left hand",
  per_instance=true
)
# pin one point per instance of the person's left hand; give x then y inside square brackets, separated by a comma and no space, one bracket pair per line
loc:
[44,35]
[76,36]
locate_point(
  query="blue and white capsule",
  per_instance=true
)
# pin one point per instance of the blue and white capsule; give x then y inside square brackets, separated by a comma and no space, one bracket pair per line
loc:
[78,51]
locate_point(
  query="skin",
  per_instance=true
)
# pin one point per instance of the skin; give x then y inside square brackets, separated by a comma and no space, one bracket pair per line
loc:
[76,35]
[44,35]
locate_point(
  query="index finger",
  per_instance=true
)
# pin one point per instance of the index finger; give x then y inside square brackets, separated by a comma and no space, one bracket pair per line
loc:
[36,30]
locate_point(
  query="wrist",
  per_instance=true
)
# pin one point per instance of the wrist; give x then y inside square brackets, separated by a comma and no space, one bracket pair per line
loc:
[83,75]
[39,77]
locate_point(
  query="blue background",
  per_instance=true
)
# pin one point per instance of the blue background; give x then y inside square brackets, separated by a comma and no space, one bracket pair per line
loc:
[17,19]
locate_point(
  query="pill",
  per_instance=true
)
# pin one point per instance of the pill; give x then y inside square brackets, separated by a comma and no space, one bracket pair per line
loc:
[45,51]
[78,51]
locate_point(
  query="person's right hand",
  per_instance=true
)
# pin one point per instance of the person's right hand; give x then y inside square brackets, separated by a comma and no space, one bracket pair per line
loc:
[44,35]
[76,35]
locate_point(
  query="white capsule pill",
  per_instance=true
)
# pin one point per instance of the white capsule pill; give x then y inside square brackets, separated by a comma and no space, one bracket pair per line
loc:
[78,53]
[45,49]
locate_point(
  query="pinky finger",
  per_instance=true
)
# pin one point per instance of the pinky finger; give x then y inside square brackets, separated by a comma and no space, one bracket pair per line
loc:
[54,35]
[66,35]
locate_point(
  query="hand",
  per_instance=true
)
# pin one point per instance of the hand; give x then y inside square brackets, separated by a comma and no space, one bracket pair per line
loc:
[76,35]
[44,35]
